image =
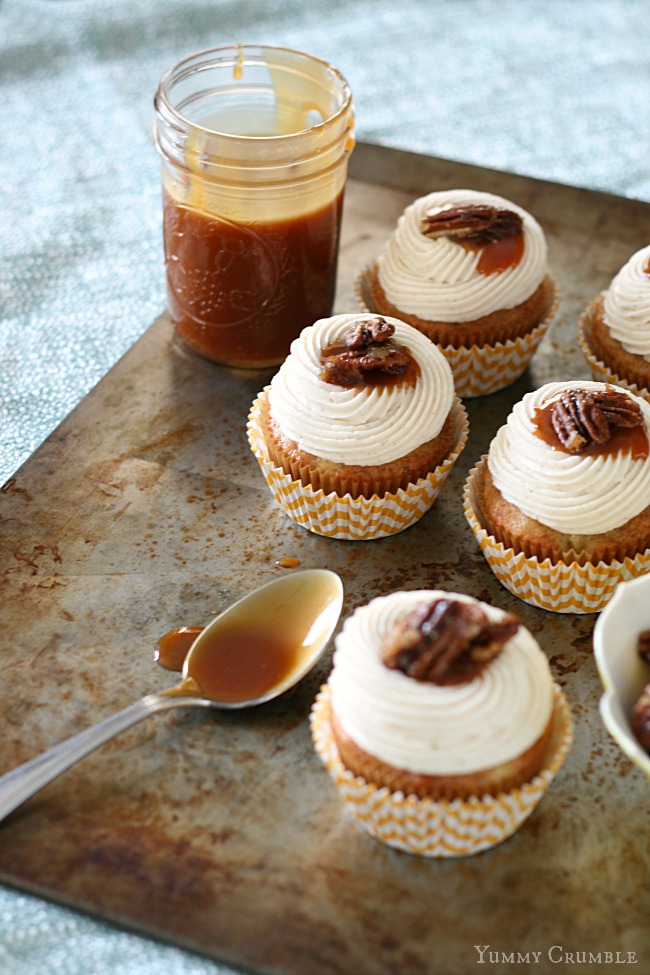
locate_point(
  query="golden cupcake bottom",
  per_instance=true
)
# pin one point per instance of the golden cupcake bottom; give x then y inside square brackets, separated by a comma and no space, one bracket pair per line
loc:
[340,515]
[509,525]
[490,781]
[499,326]
[439,827]
[608,360]
[353,479]
[488,354]
[578,583]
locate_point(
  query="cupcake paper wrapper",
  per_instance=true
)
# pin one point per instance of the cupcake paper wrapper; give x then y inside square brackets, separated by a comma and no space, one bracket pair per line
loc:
[438,828]
[350,518]
[555,586]
[478,370]
[599,371]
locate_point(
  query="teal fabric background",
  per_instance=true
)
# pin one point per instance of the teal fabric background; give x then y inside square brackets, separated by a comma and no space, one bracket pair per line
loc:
[547,88]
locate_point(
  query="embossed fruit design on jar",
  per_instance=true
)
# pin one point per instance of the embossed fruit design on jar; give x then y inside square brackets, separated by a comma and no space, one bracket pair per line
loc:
[254,144]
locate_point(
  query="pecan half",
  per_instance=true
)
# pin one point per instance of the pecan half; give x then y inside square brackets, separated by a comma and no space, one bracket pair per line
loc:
[369,348]
[472,221]
[644,645]
[640,721]
[365,331]
[446,641]
[581,417]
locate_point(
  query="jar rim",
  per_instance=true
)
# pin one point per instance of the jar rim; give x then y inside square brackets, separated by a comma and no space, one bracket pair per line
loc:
[177,71]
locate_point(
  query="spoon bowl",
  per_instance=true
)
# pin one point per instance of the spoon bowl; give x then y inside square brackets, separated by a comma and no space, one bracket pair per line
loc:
[266,642]
[292,618]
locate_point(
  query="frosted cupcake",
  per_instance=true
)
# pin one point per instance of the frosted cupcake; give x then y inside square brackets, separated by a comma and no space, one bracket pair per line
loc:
[440,723]
[614,330]
[470,271]
[359,427]
[561,502]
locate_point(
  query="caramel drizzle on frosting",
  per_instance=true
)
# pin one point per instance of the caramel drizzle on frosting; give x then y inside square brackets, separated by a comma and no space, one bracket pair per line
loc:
[495,232]
[583,421]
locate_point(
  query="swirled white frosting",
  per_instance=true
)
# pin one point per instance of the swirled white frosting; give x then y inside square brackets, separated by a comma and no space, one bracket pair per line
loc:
[626,307]
[438,280]
[429,729]
[572,493]
[362,424]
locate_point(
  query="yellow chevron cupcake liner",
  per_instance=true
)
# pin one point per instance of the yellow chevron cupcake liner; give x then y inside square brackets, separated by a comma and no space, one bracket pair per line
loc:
[478,370]
[555,586]
[355,519]
[599,371]
[446,827]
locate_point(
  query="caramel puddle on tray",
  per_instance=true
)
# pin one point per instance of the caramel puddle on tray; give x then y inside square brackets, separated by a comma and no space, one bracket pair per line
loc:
[288,562]
[173,647]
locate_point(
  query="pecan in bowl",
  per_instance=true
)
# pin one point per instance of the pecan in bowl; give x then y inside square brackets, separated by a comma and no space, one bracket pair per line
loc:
[640,720]
[620,643]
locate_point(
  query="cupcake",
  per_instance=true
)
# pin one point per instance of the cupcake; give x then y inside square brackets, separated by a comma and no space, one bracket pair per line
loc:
[614,329]
[440,722]
[561,502]
[359,427]
[469,270]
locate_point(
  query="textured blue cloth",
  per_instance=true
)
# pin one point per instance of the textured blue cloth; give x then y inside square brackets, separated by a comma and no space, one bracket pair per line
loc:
[545,88]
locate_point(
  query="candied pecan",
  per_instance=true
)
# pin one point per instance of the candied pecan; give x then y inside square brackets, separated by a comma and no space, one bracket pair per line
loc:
[582,417]
[369,348]
[446,641]
[472,221]
[361,333]
[640,722]
[387,358]
[644,645]
[341,370]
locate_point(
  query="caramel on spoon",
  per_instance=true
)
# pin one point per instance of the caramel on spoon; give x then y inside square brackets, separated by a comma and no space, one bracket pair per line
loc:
[258,648]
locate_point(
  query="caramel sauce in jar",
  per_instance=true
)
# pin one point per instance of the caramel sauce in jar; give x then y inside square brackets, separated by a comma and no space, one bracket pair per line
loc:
[254,143]
[240,293]
[627,440]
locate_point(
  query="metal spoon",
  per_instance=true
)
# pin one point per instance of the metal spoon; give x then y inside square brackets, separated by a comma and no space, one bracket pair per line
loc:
[305,605]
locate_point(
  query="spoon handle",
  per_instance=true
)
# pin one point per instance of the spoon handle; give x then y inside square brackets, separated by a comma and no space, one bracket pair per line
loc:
[22,782]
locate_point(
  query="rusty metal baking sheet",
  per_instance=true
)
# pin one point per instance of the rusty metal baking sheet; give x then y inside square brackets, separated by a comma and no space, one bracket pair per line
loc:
[221,832]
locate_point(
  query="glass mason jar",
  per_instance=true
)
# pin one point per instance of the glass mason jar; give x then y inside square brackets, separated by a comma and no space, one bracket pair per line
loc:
[254,143]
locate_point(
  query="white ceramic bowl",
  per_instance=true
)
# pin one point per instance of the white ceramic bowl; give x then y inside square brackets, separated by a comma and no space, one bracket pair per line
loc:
[622,671]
